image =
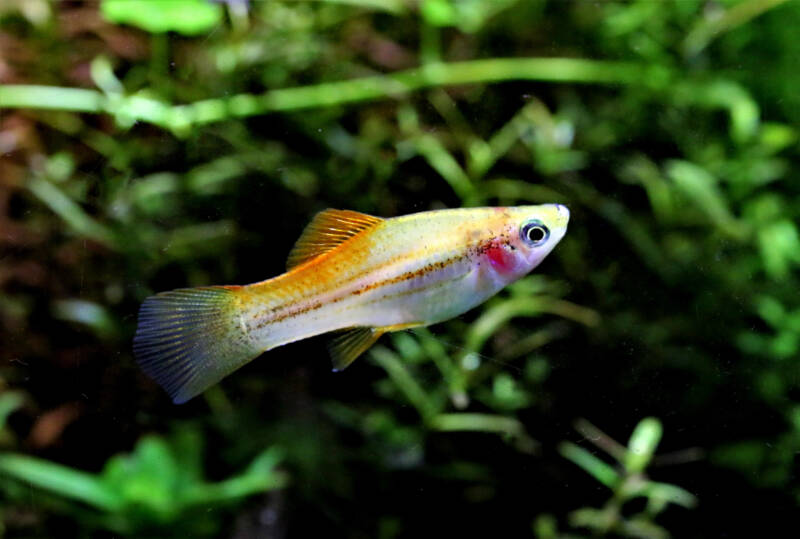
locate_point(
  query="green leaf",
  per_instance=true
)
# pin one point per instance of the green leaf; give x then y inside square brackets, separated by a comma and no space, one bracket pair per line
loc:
[260,476]
[775,137]
[595,467]
[600,520]
[642,444]
[61,480]
[153,485]
[664,492]
[103,75]
[468,15]
[545,527]
[188,17]
[71,212]
[507,393]
[779,243]
[10,401]
[701,188]
[476,422]
[771,310]
[93,315]
[404,381]
[640,526]
[146,479]
[438,12]
[396,7]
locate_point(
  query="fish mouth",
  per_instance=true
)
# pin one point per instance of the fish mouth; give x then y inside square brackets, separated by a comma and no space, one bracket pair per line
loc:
[562,215]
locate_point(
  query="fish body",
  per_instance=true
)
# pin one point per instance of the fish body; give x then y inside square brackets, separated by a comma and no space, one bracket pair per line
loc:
[348,271]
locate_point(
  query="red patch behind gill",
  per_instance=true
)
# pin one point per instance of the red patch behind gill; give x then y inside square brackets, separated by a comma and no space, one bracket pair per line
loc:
[501,258]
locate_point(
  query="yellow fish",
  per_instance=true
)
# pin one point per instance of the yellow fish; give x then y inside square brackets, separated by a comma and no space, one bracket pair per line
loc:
[348,271]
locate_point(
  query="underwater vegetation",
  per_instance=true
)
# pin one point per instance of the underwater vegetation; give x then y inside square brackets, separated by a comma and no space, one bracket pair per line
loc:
[642,382]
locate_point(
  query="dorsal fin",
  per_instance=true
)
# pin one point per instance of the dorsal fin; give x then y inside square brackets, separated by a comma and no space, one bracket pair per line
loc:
[328,230]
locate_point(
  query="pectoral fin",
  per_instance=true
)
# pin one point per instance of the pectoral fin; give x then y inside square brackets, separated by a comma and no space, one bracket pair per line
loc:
[345,348]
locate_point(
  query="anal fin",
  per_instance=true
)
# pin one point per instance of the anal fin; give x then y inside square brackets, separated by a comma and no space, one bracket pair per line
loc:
[346,348]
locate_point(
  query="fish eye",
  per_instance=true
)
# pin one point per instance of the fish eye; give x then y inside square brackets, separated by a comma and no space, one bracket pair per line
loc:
[534,233]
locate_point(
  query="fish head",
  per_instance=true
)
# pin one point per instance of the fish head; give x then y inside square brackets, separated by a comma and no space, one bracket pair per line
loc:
[522,237]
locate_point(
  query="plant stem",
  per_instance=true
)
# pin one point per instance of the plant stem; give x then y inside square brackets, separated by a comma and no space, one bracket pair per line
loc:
[404,381]
[708,29]
[180,118]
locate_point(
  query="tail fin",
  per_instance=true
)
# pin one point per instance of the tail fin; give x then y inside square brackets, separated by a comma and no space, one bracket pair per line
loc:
[189,339]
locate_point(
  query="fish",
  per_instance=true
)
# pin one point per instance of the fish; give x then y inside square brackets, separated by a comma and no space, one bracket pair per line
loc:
[349,272]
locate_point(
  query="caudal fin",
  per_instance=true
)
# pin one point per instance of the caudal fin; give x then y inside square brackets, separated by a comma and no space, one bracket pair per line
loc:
[189,339]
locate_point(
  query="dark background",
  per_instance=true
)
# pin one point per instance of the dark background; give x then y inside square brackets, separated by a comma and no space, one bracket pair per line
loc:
[642,382]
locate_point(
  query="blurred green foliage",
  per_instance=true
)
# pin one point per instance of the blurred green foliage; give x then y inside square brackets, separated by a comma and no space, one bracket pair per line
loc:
[626,485]
[188,17]
[151,145]
[157,485]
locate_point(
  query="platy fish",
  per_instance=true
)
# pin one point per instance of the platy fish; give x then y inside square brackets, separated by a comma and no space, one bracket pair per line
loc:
[348,271]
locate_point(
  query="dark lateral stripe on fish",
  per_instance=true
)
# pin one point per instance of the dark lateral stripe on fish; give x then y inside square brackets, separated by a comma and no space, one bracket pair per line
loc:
[418,273]
[360,275]
[432,286]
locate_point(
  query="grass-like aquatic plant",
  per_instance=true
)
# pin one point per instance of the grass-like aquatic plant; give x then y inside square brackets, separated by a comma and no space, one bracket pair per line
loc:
[142,150]
[158,486]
